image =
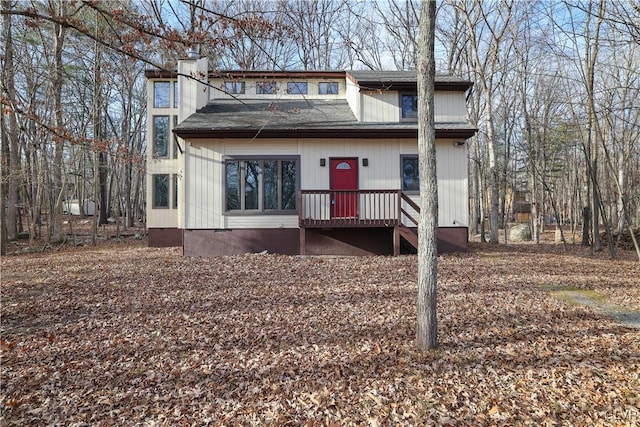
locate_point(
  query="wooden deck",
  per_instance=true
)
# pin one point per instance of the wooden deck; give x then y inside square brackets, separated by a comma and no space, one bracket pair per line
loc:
[359,209]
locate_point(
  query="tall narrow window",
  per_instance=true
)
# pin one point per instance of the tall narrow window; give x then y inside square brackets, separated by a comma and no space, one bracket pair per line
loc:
[160,191]
[288,187]
[161,92]
[251,184]
[174,189]
[297,88]
[328,88]
[160,136]
[175,138]
[175,94]
[233,185]
[410,174]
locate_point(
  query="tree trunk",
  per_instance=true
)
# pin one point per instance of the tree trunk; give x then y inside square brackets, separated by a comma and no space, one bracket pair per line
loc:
[57,79]
[426,332]
[10,132]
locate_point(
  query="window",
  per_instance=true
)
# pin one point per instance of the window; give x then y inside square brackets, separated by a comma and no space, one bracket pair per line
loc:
[328,88]
[266,88]
[161,94]
[160,191]
[409,172]
[175,94]
[409,106]
[174,188]
[235,88]
[261,185]
[160,136]
[297,88]
[175,138]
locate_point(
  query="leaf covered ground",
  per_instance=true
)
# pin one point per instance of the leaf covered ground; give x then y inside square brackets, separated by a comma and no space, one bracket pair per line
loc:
[129,335]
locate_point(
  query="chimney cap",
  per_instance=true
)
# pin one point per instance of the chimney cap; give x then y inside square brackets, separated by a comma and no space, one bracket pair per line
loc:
[192,53]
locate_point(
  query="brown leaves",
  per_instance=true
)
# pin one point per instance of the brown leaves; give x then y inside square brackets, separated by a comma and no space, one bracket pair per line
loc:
[145,336]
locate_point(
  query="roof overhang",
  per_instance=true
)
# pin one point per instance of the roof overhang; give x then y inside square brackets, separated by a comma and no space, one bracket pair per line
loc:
[324,133]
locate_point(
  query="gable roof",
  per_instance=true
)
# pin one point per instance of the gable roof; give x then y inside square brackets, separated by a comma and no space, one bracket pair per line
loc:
[306,118]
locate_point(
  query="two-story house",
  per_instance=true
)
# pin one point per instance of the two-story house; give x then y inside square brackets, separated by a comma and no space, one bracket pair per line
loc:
[298,162]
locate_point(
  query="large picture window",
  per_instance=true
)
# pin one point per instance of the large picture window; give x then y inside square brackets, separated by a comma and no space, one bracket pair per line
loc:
[161,91]
[261,185]
[160,136]
[410,173]
[409,106]
[160,191]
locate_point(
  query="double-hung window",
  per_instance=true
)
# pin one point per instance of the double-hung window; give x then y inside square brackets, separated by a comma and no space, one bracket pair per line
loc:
[410,173]
[160,136]
[261,185]
[409,106]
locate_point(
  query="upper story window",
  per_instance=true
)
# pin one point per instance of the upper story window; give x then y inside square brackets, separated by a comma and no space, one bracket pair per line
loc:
[175,94]
[328,88]
[297,88]
[160,136]
[409,105]
[161,94]
[266,88]
[233,87]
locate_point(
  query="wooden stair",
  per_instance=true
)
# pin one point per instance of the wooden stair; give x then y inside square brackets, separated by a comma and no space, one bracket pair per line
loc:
[410,235]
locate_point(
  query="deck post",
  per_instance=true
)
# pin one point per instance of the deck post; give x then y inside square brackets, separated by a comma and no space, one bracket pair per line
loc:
[396,241]
[303,243]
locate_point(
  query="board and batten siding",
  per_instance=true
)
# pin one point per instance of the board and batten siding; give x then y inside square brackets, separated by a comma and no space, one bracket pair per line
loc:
[451,170]
[450,107]
[204,176]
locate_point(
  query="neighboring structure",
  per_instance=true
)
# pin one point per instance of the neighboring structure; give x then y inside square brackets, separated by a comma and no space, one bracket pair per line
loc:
[309,162]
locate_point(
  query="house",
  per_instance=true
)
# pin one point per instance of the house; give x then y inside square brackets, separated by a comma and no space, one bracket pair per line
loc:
[298,162]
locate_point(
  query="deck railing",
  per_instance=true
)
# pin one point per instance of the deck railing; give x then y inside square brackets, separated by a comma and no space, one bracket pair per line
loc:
[354,208]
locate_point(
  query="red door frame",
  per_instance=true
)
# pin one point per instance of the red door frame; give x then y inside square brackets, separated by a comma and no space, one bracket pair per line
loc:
[344,205]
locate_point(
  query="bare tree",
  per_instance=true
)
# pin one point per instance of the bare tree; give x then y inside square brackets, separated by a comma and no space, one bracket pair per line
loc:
[494,20]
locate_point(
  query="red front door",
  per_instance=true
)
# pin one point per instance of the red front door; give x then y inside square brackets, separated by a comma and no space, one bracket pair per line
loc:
[344,176]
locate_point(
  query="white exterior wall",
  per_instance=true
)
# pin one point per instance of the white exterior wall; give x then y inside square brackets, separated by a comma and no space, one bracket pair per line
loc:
[450,107]
[218,89]
[205,175]
[163,217]
[354,99]
[192,95]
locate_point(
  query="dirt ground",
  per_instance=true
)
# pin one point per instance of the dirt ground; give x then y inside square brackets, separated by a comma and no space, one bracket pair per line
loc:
[122,334]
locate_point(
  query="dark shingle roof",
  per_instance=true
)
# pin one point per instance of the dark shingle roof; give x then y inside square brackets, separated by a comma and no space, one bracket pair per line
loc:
[295,117]
[403,80]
